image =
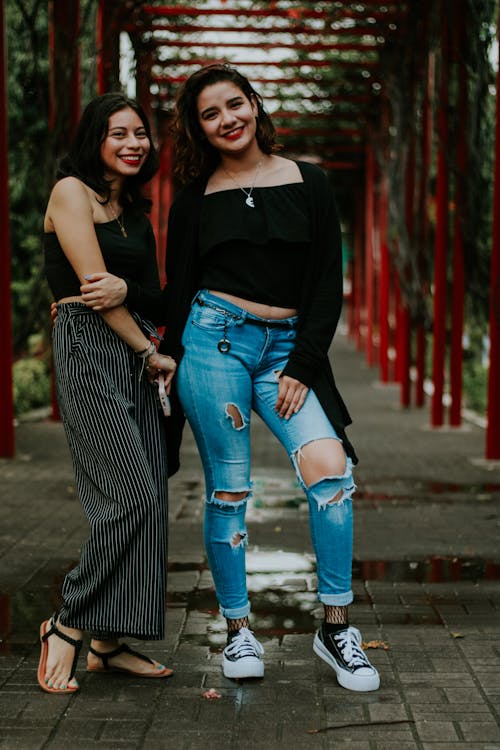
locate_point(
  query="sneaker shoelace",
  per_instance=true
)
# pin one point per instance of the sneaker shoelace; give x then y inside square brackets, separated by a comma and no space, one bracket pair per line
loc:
[349,642]
[244,644]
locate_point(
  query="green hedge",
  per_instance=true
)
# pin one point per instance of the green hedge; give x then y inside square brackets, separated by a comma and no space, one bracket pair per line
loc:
[31,377]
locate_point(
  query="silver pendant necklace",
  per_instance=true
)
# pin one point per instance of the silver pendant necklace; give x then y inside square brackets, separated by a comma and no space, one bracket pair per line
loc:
[248,200]
[121,223]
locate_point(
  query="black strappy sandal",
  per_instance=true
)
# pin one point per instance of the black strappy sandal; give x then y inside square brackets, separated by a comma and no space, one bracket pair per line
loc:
[124,649]
[48,628]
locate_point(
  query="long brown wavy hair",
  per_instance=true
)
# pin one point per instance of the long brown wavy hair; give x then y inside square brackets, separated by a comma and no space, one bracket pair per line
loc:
[194,155]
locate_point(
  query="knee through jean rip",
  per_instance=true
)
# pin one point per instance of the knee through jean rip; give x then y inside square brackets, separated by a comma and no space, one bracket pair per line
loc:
[228,505]
[332,491]
[328,490]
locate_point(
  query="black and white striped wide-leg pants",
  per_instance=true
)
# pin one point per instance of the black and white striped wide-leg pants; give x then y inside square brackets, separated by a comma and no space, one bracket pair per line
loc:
[115,433]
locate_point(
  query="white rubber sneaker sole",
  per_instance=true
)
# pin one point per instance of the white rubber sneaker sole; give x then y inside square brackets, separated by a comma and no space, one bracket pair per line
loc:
[248,666]
[358,682]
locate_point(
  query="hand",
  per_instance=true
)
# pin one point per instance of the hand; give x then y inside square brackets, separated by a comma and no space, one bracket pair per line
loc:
[291,396]
[53,312]
[103,290]
[161,362]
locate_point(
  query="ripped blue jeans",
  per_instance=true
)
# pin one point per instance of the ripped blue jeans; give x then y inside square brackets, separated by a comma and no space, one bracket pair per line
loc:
[231,365]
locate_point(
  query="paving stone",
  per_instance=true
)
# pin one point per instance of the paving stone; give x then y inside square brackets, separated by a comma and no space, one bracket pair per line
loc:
[452,712]
[436,730]
[122,730]
[57,744]
[381,712]
[463,695]
[449,665]
[480,730]
[11,705]
[422,694]
[70,729]
[488,679]
[33,741]
[438,680]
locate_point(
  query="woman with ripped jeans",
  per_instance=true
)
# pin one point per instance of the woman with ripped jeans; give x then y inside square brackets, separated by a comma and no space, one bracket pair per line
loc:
[254,269]
[254,294]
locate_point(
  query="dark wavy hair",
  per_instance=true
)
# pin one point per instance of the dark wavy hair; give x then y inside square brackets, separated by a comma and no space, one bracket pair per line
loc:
[194,155]
[84,157]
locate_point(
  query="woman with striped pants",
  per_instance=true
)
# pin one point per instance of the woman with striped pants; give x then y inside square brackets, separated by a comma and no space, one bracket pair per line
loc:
[105,365]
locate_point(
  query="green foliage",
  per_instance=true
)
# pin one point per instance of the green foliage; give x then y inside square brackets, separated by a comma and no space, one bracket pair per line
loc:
[475,383]
[32,150]
[31,384]
[475,370]
[29,152]
[478,180]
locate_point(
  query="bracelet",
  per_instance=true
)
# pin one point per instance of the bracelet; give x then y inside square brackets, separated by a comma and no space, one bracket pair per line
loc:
[147,352]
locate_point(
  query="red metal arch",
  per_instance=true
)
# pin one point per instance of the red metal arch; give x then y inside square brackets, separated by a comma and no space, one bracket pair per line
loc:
[345,137]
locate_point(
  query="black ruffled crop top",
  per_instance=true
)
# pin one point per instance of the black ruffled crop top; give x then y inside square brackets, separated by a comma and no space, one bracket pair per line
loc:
[256,253]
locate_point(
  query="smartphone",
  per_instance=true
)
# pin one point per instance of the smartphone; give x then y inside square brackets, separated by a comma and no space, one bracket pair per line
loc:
[164,399]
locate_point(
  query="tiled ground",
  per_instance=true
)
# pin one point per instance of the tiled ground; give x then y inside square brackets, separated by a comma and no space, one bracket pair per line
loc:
[426,579]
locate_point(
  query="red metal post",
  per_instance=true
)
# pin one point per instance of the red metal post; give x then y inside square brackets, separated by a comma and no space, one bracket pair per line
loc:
[166,198]
[359,276]
[404,318]
[441,235]
[108,46]
[162,194]
[65,89]
[369,255]
[384,287]
[399,327]
[458,288]
[143,73]
[493,429]
[350,315]
[404,342]
[154,216]
[64,30]
[6,395]
[423,219]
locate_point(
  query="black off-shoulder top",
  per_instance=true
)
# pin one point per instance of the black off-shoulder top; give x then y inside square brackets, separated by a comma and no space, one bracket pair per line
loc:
[256,253]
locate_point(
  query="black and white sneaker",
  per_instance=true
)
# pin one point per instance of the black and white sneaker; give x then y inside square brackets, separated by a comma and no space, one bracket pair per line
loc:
[242,656]
[343,652]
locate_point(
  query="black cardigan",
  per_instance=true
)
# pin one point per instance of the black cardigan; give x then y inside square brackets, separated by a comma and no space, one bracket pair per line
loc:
[319,309]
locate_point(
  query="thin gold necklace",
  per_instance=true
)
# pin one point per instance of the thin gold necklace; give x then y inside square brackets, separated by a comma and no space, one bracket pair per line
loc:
[248,193]
[121,224]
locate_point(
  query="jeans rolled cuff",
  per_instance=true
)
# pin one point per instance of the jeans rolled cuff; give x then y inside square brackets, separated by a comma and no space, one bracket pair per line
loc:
[235,613]
[336,600]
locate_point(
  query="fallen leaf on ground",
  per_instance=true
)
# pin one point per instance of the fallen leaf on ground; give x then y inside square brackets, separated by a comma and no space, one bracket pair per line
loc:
[456,635]
[375,644]
[211,695]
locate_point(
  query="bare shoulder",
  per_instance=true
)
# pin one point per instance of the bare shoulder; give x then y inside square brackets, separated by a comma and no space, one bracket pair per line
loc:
[281,171]
[69,196]
[70,189]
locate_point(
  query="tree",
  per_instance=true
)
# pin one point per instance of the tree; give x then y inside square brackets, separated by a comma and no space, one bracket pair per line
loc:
[32,152]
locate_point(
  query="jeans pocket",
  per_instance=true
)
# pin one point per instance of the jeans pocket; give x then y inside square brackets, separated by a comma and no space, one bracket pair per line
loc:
[210,319]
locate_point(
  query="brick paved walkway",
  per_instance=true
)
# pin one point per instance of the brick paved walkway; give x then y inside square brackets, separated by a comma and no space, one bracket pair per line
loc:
[427,583]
